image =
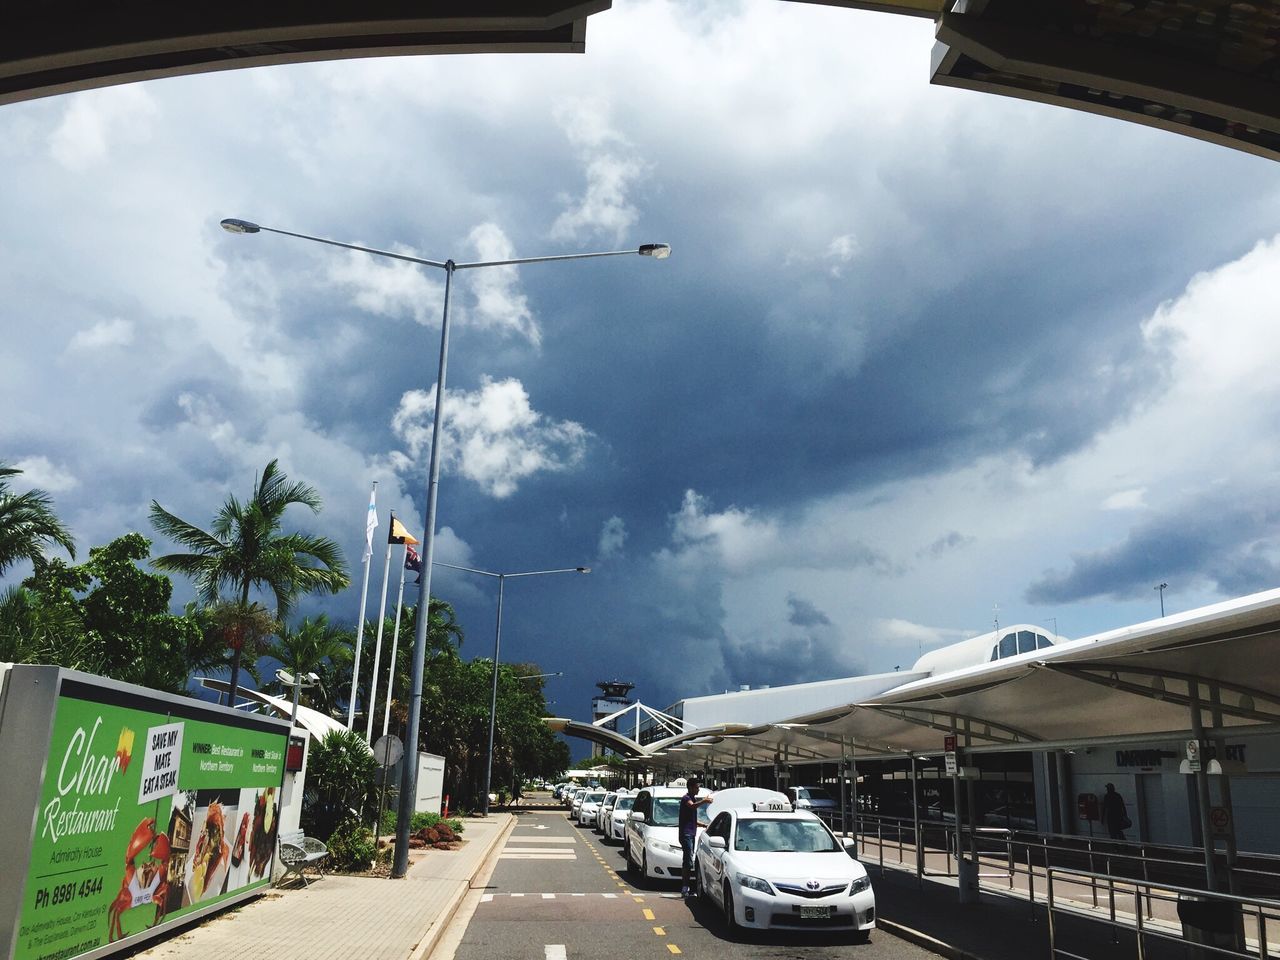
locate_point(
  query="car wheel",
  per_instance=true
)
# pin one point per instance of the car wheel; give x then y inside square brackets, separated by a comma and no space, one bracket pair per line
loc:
[861,936]
[730,920]
[703,895]
[644,867]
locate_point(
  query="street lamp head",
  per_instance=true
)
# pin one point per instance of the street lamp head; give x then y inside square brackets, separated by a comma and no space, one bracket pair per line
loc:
[232,225]
[583,569]
[659,251]
[284,676]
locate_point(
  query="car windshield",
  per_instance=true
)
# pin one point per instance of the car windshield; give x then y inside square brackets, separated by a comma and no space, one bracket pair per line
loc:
[592,797]
[784,836]
[624,803]
[666,812]
[814,793]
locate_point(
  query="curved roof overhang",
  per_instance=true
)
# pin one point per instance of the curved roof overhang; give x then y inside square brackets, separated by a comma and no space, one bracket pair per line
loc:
[1140,684]
[317,724]
[47,49]
[1201,68]
[601,735]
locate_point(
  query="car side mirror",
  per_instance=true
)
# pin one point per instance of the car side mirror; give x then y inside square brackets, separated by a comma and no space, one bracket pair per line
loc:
[850,845]
[637,815]
[716,843]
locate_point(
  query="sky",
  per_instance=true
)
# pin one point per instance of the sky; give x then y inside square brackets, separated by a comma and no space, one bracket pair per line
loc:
[921,359]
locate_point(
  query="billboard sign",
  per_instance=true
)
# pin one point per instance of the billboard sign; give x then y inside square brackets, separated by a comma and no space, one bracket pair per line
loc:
[150,809]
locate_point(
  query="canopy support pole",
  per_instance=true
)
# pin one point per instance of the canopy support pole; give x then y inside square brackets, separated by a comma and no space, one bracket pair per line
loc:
[1202,790]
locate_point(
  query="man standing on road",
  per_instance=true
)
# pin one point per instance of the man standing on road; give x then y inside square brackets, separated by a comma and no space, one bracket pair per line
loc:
[689,805]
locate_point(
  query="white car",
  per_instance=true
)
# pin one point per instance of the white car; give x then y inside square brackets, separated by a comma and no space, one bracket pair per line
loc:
[616,828]
[606,808]
[767,865]
[575,801]
[589,806]
[817,799]
[651,842]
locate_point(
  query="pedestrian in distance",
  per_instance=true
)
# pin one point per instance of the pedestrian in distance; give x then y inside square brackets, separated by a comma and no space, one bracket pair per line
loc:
[689,805]
[1114,816]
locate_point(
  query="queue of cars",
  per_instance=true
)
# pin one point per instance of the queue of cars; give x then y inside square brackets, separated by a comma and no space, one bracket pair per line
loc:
[763,859]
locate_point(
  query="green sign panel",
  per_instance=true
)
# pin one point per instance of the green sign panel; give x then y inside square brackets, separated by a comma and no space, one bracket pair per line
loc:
[144,817]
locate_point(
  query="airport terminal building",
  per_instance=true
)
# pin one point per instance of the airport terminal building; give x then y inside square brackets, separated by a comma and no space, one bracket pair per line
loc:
[1041,725]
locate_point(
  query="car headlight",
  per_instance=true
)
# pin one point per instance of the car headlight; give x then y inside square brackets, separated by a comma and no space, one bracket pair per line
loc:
[859,885]
[753,883]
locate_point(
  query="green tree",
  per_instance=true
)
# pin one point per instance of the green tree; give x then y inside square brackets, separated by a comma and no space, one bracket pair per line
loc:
[314,646]
[444,636]
[106,616]
[245,549]
[28,524]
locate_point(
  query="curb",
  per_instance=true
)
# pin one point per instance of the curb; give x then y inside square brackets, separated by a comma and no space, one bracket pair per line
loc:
[923,940]
[436,931]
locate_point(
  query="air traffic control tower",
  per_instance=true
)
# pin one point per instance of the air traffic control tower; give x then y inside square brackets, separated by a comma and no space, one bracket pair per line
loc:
[613,697]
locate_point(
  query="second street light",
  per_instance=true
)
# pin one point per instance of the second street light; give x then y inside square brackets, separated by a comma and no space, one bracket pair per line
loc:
[409,779]
[497,649]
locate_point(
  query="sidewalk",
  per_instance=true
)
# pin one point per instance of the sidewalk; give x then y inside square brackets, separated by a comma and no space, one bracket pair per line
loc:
[347,918]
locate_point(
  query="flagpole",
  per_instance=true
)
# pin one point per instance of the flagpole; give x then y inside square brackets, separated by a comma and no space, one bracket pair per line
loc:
[377,649]
[395,640]
[371,521]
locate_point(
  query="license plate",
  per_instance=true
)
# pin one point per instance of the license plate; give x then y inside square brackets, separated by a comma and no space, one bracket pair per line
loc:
[815,913]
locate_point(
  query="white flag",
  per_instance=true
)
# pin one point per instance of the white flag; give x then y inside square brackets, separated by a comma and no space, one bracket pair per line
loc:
[370,522]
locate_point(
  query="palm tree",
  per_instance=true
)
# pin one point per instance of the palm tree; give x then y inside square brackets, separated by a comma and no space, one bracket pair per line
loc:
[244,549]
[314,646]
[28,524]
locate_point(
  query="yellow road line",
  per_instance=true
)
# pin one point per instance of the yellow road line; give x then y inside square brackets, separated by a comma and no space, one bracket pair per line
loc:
[673,948]
[659,931]
[648,914]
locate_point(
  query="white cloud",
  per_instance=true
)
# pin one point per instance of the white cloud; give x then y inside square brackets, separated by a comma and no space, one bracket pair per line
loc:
[493,436]
[93,119]
[613,535]
[1126,499]
[498,300]
[611,168]
[840,251]
[390,288]
[103,334]
[41,472]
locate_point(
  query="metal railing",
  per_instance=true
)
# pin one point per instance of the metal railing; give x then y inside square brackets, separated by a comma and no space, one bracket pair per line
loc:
[1233,908]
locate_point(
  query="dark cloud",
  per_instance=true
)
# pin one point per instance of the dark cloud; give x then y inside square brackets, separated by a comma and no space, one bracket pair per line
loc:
[804,614]
[1226,540]
[952,540]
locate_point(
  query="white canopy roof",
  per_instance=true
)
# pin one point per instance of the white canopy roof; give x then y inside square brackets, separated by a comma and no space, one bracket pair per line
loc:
[1132,684]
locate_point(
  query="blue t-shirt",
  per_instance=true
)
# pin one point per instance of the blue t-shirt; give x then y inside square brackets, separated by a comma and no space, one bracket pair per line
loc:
[688,816]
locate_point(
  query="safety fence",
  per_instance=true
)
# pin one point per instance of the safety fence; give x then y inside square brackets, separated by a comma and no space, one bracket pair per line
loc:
[1164,884]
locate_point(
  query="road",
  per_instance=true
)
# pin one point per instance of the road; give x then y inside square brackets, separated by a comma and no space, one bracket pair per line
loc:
[560,893]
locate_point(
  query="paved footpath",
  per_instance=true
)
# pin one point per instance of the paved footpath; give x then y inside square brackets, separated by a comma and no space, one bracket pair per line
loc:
[347,918]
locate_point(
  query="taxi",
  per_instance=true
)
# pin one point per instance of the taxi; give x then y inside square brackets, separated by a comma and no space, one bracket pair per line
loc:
[767,865]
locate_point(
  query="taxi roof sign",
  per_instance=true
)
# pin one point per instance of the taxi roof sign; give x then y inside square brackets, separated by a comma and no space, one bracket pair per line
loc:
[771,806]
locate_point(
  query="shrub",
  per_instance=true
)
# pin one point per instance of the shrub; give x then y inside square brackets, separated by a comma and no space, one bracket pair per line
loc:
[419,822]
[351,846]
[341,776]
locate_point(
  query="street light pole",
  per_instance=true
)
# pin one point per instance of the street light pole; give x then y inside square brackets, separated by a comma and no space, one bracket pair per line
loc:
[1161,587]
[497,647]
[409,779]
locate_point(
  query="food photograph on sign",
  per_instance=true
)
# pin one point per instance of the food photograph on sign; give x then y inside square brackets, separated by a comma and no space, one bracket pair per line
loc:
[210,858]
[255,837]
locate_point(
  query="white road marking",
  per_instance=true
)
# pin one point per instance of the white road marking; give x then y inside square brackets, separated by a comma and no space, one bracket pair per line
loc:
[554,851]
[555,951]
[487,898]
[548,896]
[517,838]
[610,896]
[542,855]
